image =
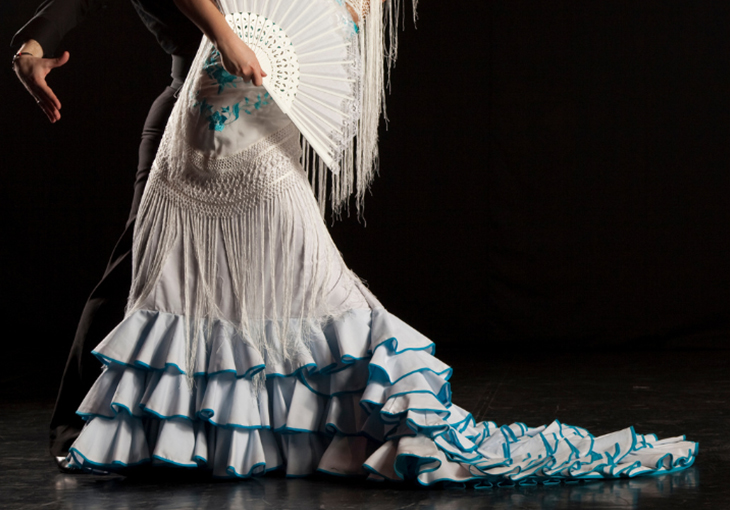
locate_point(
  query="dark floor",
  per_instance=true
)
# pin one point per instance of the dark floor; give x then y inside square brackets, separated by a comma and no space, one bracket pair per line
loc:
[670,393]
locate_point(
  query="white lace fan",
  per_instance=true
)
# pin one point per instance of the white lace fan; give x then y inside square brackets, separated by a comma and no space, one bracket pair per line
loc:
[308,49]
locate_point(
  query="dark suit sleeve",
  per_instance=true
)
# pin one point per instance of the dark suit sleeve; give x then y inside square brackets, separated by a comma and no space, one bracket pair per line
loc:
[52,21]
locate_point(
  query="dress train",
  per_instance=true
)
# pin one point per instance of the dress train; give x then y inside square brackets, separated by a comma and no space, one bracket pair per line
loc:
[249,346]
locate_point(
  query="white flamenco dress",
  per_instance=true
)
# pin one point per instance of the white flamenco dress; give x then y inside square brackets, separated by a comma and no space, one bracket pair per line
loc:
[249,346]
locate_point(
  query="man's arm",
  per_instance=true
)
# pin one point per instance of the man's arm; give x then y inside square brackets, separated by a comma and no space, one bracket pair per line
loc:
[53,19]
[40,37]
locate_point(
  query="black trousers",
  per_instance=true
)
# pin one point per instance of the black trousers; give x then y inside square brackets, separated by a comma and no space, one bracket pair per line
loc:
[105,307]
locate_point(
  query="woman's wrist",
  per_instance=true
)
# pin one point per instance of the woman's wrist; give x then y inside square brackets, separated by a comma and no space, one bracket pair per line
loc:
[224,39]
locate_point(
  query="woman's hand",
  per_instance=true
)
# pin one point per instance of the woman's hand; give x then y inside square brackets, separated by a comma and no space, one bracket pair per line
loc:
[239,59]
[32,71]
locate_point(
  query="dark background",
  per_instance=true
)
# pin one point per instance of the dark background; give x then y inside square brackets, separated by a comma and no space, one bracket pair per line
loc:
[554,176]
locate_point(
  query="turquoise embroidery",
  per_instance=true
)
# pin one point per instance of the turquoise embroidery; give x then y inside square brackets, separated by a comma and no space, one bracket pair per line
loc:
[219,118]
[260,101]
[215,71]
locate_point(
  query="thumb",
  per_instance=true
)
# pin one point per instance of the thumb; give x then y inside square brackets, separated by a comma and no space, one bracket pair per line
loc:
[58,62]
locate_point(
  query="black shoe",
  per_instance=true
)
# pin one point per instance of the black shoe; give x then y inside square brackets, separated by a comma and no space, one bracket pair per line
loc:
[65,468]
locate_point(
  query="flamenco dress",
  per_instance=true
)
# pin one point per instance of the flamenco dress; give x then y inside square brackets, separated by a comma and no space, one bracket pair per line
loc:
[249,346]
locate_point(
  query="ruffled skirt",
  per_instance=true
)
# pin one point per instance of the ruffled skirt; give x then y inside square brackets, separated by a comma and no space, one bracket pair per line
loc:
[372,400]
[249,346]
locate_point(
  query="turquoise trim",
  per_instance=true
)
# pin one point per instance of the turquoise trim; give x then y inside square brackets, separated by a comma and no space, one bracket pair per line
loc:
[478,438]
[246,375]
[374,369]
[552,481]
[285,429]
[508,434]
[252,472]
[404,458]
[458,441]
[234,425]
[350,360]
[111,467]
[296,372]
[431,348]
[173,463]
[675,469]
[466,422]
[329,369]
[417,409]
[90,416]
[162,416]
[113,410]
[145,366]
[396,395]
[107,360]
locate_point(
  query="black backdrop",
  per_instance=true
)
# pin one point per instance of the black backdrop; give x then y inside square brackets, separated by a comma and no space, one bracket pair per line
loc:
[555,175]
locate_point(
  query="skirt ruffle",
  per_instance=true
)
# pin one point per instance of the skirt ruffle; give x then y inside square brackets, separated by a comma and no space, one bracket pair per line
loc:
[370,400]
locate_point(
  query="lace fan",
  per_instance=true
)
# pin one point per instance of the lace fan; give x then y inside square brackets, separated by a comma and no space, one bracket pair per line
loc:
[308,49]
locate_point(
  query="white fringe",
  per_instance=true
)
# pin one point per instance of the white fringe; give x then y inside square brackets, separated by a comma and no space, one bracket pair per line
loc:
[262,233]
[275,302]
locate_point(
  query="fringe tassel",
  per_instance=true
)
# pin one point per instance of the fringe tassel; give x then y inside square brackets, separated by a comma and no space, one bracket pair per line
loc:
[278,256]
[274,300]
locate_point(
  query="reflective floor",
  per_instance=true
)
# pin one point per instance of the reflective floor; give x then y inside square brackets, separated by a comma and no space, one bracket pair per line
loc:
[669,393]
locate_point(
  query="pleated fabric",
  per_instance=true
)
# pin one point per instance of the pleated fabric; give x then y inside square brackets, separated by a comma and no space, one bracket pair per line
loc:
[371,400]
[249,346]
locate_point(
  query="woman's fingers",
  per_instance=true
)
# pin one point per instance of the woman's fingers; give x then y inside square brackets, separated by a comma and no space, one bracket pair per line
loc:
[240,60]
[256,77]
[253,74]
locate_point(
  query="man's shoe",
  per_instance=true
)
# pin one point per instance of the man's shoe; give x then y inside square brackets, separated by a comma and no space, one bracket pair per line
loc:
[65,468]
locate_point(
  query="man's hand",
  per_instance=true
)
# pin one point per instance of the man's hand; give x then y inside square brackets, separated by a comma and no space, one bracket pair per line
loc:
[32,71]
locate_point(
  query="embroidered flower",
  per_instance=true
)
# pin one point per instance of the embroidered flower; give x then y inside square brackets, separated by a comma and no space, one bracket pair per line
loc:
[260,101]
[218,119]
[215,71]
